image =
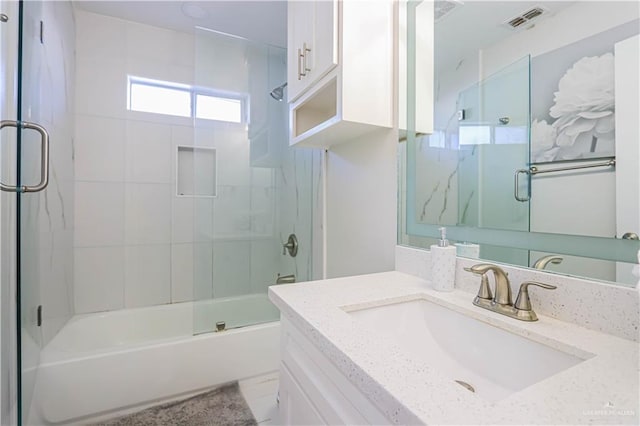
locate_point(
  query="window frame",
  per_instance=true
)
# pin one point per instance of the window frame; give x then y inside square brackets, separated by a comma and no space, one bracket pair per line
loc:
[194,92]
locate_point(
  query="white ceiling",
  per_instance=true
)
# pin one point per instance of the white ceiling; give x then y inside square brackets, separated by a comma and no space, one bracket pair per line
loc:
[263,21]
[476,25]
[471,26]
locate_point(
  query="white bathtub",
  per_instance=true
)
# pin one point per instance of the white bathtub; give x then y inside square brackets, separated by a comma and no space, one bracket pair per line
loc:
[109,362]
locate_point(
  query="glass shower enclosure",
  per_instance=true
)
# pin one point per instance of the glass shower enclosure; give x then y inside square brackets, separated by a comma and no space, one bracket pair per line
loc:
[237,191]
[251,191]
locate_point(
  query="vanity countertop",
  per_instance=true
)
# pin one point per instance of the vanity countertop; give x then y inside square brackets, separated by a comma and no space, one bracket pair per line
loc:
[603,389]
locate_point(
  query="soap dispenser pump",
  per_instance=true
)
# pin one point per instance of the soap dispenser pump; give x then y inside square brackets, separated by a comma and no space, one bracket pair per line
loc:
[443,263]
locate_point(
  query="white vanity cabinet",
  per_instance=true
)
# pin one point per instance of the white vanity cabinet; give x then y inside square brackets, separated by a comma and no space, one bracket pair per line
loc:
[313,391]
[340,70]
[312,45]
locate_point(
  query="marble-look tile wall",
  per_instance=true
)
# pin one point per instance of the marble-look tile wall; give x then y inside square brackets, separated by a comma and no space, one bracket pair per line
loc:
[152,246]
[47,217]
[603,307]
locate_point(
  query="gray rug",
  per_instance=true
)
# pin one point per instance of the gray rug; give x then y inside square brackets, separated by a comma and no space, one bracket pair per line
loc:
[222,406]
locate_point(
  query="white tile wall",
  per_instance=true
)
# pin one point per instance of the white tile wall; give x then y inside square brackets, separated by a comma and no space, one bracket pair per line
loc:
[157,246]
[231,277]
[148,152]
[99,36]
[203,220]
[232,211]
[233,156]
[147,275]
[265,258]
[99,149]
[182,272]
[99,279]
[161,45]
[99,214]
[182,215]
[101,87]
[147,213]
[203,277]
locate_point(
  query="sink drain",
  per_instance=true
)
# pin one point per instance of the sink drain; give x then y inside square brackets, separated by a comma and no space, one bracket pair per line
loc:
[466,385]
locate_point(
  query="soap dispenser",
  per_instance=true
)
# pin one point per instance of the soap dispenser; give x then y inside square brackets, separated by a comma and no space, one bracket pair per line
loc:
[443,263]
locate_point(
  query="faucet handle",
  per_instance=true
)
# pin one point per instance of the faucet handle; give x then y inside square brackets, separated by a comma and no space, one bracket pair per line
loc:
[483,268]
[523,302]
[484,292]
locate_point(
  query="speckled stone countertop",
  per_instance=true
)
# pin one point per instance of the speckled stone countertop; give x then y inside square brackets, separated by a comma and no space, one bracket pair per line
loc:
[603,389]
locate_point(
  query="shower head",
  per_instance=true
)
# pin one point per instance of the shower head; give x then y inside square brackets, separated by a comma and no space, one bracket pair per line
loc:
[278,92]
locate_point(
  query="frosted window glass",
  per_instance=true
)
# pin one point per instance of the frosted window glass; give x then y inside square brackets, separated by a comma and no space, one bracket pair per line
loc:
[160,100]
[221,109]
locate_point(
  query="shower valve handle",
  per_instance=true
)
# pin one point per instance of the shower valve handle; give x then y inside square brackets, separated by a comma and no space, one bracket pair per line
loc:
[291,246]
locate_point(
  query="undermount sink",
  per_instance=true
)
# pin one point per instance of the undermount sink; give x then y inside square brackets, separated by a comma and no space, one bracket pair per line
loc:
[487,360]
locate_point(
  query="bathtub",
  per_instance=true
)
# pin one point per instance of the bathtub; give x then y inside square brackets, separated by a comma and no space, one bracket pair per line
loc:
[108,363]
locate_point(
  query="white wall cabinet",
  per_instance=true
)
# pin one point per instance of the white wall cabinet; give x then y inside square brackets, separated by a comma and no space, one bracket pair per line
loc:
[348,89]
[313,392]
[312,45]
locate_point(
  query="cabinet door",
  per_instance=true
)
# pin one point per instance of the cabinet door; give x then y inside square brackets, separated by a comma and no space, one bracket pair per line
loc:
[324,49]
[313,33]
[295,408]
[300,15]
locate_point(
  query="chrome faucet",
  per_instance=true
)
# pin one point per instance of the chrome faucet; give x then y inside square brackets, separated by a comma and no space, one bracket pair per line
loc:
[501,302]
[544,261]
[503,288]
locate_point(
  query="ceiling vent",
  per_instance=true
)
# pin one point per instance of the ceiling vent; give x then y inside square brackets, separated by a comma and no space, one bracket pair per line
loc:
[529,16]
[442,8]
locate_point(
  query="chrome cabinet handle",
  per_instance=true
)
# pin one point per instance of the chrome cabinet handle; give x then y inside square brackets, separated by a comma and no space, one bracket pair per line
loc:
[44,152]
[305,50]
[517,186]
[302,61]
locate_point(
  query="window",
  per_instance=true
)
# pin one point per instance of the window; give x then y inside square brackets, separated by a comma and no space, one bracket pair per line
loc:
[164,97]
[146,97]
[217,108]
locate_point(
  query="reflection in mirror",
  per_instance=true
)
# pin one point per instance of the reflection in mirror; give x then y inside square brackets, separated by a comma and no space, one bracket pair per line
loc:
[535,131]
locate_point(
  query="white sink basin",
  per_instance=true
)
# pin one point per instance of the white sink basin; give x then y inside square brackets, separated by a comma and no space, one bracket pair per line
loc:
[492,361]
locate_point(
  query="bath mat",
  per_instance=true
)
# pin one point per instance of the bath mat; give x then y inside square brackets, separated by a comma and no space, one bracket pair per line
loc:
[221,406]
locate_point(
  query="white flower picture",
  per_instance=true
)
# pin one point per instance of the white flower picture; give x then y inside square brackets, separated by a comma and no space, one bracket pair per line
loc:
[583,114]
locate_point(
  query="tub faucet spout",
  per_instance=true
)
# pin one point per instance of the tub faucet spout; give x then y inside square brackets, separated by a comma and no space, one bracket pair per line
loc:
[286,279]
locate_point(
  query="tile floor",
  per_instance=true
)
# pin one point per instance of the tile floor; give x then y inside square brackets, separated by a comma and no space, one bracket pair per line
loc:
[260,393]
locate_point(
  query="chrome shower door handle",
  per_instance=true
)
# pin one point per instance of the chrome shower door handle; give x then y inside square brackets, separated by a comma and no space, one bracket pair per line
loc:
[516,186]
[44,156]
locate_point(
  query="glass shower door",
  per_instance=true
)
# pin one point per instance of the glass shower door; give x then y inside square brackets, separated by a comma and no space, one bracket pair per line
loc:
[261,190]
[493,139]
[28,141]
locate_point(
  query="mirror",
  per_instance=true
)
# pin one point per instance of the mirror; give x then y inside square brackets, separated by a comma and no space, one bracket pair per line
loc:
[535,150]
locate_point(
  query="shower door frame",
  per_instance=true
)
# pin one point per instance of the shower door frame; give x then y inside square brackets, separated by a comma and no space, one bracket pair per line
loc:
[15,150]
[9,309]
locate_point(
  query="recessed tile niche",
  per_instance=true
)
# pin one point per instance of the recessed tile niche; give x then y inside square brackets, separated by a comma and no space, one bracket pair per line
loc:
[196,174]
